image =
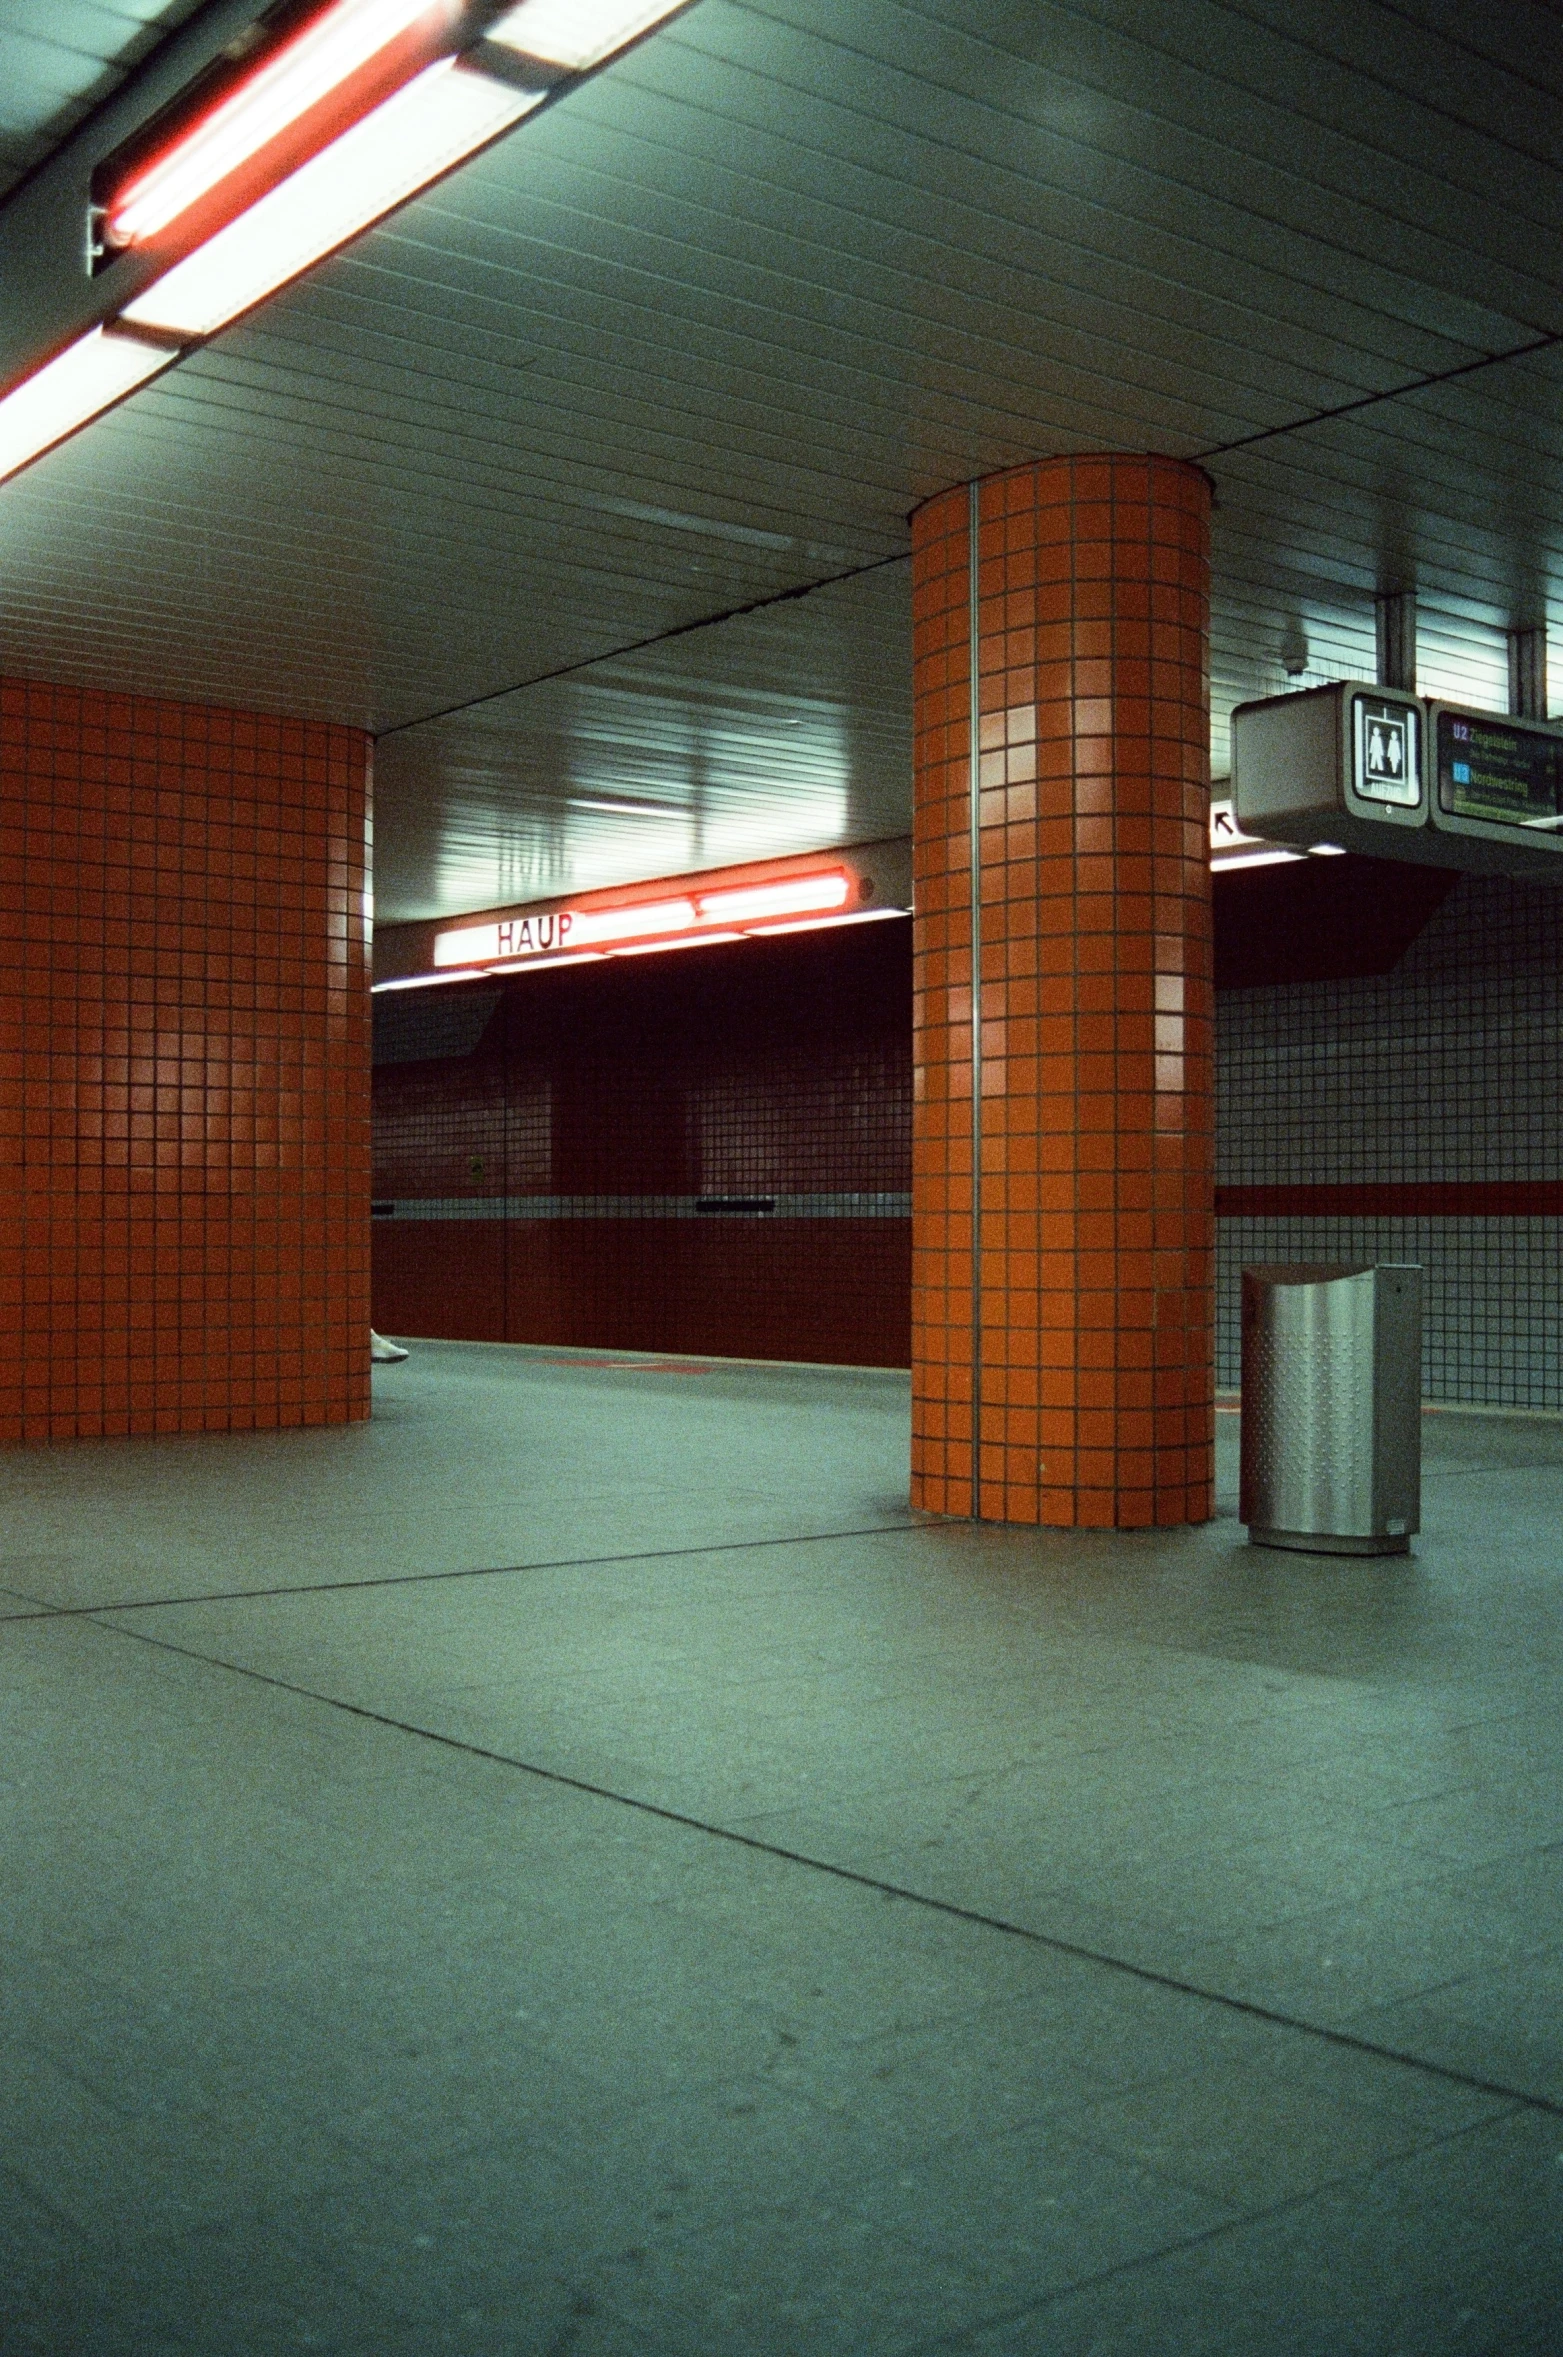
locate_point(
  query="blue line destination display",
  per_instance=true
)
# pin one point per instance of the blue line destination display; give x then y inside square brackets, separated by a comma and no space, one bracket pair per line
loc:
[1500,771]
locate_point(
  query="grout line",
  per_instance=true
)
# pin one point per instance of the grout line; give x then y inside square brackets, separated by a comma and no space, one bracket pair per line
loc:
[951,1909]
[966,2336]
[477,1571]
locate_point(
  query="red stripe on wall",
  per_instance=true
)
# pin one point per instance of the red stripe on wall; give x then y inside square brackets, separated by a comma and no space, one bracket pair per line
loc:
[1397,1199]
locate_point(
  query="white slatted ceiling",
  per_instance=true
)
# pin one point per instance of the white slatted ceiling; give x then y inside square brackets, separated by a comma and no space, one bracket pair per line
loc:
[59,58]
[709,329]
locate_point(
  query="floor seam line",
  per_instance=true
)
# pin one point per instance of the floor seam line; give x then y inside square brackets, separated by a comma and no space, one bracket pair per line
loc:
[1148,1975]
[474,1571]
[965,2335]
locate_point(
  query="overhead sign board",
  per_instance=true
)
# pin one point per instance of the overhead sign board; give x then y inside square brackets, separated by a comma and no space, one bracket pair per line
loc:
[556,935]
[1498,791]
[1343,765]
[1373,769]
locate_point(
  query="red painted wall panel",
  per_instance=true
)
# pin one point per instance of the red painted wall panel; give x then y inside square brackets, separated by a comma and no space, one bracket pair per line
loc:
[596,1109]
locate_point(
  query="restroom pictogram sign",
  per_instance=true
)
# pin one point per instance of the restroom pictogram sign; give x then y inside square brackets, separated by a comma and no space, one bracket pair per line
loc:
[1386,750]
[1387,764]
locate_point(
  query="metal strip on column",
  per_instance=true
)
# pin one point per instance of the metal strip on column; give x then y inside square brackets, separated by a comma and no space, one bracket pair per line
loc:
[975,801]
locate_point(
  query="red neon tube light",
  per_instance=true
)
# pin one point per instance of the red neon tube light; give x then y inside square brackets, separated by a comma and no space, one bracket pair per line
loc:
[328,52]
[591,928]
[667,922]
[794,897]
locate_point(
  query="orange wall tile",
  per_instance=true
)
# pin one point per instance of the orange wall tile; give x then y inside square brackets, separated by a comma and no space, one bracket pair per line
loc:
[184,1068]
[1094,1384]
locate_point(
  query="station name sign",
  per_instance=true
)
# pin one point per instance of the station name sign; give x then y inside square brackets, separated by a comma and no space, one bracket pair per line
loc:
[558,935]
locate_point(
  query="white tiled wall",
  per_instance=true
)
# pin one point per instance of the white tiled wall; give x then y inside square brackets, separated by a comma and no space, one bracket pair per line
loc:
[1449,1068]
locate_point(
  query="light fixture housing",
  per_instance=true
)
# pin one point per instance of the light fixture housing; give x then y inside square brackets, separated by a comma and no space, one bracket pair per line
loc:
[259,171]
[628,927]
[578,34]
[78,384]
[435,122]
[320,61]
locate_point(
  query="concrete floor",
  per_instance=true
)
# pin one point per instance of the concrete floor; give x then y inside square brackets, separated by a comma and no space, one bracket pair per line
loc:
[573,1867]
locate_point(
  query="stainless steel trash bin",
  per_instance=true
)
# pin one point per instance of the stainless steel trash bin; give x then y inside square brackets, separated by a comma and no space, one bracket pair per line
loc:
[1332,1408]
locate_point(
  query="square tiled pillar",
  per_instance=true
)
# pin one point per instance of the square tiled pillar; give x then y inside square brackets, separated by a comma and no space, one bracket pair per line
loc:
[1063,1182]
[184,1068]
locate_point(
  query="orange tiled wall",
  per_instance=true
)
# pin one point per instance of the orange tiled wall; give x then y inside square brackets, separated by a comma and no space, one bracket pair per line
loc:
[184,1066]
[1096,1190]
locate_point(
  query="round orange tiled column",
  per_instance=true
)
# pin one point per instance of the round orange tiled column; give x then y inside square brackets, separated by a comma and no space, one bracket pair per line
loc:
[1063,1206]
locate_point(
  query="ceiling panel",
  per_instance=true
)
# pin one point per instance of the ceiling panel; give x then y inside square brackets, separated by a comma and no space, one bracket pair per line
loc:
[707,330]
[61,58]
[785,730]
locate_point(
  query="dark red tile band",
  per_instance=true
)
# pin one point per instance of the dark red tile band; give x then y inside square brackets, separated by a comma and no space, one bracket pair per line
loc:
[1397,1199]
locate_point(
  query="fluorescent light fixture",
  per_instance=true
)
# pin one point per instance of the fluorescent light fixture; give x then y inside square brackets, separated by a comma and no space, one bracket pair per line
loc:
[88,376]
[512,937]
[854,916]
[442,116]
[594,926]
[430,981]
[577,33]
[519,962]
[792,898]
[1253,859]
[327,53]
[577,932]
[1327,850]
[560,936]
[642,949]
[471,942]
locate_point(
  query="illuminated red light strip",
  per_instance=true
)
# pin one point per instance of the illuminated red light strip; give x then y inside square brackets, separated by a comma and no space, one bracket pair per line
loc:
[670,922]
[589,928]
[794,897]
[327,53]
